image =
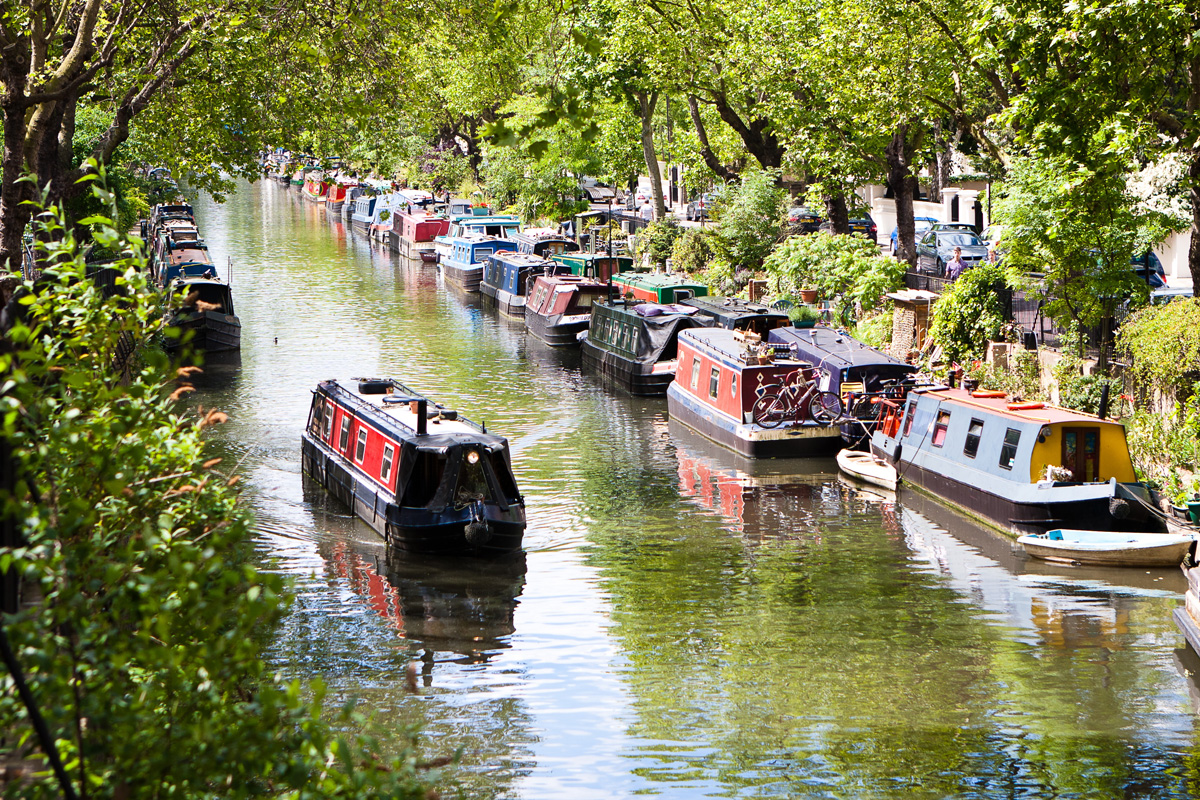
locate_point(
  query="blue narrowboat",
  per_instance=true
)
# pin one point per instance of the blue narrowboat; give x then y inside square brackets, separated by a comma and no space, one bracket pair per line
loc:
[424,477]
[363,214]
[468,253]
[543,242]
[508,276]
[1021,467]
[501,226]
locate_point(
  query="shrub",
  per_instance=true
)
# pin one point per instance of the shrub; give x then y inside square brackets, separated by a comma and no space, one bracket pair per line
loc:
[750,218]
[848,268]
[693,251]
[969,314]
[1163,344]
[658,238]
[875,330]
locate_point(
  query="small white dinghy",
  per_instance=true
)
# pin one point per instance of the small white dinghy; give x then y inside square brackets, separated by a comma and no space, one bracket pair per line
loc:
[867,468]
[1111,548]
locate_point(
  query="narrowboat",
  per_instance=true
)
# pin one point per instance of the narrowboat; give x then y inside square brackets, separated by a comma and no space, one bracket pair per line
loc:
[413,234]
[380,228]
[174,260]
[350,206]
[316,187]
[560,306]
[1021,467]
[543,242]
[464,266]
[721,374]
[634,345]
[857,372]
[508,276]
[595,265]
[658,287]
[338,193]
[364,211]
[424,477]
[501,226]
[735,314]
[203,307]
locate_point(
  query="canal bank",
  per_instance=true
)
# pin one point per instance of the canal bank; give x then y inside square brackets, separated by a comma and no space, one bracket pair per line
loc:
[682,621]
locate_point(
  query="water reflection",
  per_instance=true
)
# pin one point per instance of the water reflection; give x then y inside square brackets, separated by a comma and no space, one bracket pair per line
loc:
[684,621]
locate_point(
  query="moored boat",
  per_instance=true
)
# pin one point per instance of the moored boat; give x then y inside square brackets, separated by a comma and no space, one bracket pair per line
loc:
[634,345]
[500,226]
[543,242]
[338,191]
[413,234]
[201,308]
[721,374]
[657,287]
[1023,467]
[1109,548]
[316,186]
[736,314]
[508,276]
[380,228]
[595,265]
[560,306]
[363,213]
[867,468]
[425,478]
[468,253]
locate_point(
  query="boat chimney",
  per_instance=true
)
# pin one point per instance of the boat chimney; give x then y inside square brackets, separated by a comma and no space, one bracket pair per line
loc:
[422,423]
[1103,412]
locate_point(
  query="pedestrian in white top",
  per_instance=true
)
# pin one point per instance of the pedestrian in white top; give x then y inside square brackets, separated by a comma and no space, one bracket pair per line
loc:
[647,211]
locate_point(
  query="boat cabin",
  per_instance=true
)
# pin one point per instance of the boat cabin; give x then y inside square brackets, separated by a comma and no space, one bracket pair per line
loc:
[364,209]
[560,306]
[508,275]
[425,477]
[721,373]
[863,368]
[468,253]
[736,314]
[594,265]
[501,226]
[634,344]
[418,226]
[658,287]
[543,242]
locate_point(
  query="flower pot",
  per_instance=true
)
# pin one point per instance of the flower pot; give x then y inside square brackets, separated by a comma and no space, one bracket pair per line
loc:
[804,323]
[808,295]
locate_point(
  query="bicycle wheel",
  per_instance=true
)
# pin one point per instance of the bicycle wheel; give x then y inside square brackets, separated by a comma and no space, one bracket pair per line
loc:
[825,408]
[769,411]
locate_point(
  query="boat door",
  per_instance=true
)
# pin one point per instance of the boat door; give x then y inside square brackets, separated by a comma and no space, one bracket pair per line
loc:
[1081,453]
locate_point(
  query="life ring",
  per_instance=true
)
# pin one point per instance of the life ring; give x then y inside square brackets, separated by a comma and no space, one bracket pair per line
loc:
[1025,406]
[989,393]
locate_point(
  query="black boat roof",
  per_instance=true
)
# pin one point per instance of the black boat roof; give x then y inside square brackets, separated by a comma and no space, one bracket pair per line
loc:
[388,402]
[728,311]
[836,349]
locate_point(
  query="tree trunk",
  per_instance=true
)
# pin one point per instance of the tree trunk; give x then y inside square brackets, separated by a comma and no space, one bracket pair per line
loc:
[710,158]
[936,180]
[836,213]
[14,215]
[904,185]
[1194,247]
[646,105]
[755,134]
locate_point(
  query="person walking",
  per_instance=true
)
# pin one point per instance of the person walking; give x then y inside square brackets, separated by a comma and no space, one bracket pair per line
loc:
[647,212]
[956,266]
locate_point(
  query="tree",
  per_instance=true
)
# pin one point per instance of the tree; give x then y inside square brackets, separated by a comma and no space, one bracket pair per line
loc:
[749,218]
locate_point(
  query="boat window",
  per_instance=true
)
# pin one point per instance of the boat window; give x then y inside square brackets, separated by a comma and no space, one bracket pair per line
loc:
[939,428]
[362,445]
[908,422]
[344,440]
[314,425]
[695,372]
[327,423]
[584,299]
[714,381]
[973,433]
[1008,453]
[482,253]
[733,385]
[425,479]
[389,453]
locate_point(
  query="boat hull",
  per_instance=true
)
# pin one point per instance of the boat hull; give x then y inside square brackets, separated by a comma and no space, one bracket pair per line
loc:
[410,249]
[642,380]
[465,277]
[504,301]
[212,332]
[1142,550]
[555,334]
[416,530]
[795,441]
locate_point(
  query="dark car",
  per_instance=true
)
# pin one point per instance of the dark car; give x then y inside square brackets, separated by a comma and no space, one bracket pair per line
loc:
[863,226]
[803,219]
[936,247]
[921,224]
[1150,269]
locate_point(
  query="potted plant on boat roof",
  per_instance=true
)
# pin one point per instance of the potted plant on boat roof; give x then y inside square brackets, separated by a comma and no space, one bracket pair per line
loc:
[803,316]
[809,294]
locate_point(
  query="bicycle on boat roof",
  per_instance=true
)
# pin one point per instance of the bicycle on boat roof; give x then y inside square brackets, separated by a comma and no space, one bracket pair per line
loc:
[793,397]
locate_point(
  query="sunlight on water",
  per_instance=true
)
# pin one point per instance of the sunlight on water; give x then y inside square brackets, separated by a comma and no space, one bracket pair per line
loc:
[682,621]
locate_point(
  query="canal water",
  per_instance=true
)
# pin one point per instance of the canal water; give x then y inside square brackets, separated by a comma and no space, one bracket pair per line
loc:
[682,622]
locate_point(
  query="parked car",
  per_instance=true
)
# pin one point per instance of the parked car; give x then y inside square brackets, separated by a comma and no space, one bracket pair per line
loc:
[1150,269]
[803,219]
[936,247]
[637,198]
[698,209]
[922,224]
[863,226]
[991,237]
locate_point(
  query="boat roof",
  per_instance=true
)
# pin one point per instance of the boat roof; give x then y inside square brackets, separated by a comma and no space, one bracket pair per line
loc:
[1046,413]
[729,343]
[581,256]
[473,237]
[731,308]
[523,259]
[656,280]
[573,281]
[836,349]
[639,309]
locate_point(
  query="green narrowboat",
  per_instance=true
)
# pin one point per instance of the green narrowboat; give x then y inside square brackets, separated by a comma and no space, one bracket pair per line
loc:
[632,344]
[657,287]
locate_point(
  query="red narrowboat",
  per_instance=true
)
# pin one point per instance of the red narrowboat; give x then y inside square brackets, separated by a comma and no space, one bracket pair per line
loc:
[413,234]
[425,478]
[560,307]
[720,375]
